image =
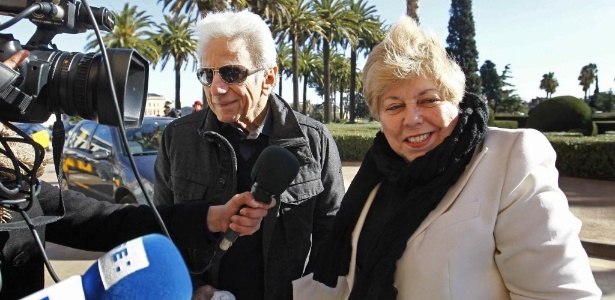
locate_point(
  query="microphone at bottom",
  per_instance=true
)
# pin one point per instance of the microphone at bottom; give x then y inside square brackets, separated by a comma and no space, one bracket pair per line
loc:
[148,267]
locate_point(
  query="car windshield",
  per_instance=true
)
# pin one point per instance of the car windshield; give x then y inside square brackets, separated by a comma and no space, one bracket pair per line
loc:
[145,140]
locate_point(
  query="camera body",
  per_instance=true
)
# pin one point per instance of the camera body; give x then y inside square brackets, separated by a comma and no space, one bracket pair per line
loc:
[71,82]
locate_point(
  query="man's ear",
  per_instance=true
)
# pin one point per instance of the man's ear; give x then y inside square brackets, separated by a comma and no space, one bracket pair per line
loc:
[271,75]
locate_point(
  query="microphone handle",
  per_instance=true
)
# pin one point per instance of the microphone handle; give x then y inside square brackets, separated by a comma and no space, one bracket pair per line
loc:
[230,236]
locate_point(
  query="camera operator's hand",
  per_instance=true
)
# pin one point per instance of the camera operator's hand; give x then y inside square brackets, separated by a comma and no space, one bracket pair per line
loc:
[242,214]
[16,59]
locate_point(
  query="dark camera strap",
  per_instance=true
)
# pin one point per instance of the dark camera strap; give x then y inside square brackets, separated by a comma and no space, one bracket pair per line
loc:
[9,92]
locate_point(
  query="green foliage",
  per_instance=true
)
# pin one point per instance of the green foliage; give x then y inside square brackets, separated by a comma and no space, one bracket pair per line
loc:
[491,83]
[513,104]
[585,157]
[549,83]
[365,129]
[564,113]
[362,110]
[605,101]
[577,155]
[132,30]
[506,124]
[461,43]
[353,140]
[491,121]
[353,147]
[519,119]
[605,126]
[587,77]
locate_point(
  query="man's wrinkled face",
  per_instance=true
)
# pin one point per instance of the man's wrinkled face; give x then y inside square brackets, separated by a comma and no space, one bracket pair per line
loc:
[241,103]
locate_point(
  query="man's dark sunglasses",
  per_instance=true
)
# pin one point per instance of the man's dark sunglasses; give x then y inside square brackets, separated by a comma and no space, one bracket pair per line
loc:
[231,74]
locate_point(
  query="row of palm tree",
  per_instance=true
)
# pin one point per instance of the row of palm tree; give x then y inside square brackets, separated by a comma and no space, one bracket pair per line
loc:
[588,75]
[313,38]
[173,39]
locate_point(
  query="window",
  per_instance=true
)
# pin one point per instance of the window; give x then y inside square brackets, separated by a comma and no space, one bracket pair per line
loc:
[101,139]
[80,136]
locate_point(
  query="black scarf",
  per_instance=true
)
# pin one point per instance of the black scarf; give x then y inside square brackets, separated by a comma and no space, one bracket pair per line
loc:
[427,179]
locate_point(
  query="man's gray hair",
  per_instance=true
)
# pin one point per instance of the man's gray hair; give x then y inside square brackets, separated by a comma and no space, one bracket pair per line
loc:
[243,25]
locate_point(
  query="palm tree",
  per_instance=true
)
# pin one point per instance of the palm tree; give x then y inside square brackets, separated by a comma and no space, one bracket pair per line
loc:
[549,84]
[175,38]
[587,77]
[202,7]
[309,63]
[337,22]
[295,29]
[284,63]
[340,77]
[132,30]
[412,9]
[274,11]
[370,33]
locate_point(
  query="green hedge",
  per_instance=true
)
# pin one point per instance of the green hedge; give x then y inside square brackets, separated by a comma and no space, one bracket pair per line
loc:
[577,155]
[353,147]
[604,126]
[506,124]
[521,120]
[585,157]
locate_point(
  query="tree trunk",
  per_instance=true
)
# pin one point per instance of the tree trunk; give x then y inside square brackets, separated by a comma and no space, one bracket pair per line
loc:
[178,102]
[280,83]
[412,9]
[341,102]
[305,82]
[295,50]
[353,84]
[326,88]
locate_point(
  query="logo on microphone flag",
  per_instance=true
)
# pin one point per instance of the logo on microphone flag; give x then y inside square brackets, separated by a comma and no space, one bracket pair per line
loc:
[122,261]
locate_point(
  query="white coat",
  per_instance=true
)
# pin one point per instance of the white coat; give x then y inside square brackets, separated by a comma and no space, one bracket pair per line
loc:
[503,231]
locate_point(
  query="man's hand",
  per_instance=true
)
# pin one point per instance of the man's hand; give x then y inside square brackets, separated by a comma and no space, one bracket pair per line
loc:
[16,59]
[242,214]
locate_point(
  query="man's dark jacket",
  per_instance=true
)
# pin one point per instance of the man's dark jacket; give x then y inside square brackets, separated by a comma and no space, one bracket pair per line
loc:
[196,163]
[86,224]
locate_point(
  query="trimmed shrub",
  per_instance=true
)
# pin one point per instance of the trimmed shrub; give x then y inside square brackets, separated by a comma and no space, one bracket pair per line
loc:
[604,126]
[585,157]
[353,147]
[521,120]
[506,124]
[564,113]
[491,121]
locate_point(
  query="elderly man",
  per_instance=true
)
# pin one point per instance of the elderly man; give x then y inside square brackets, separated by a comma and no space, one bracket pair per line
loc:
[208,156]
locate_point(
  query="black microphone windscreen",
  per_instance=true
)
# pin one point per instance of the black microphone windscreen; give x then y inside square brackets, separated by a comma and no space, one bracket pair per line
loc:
[275,169]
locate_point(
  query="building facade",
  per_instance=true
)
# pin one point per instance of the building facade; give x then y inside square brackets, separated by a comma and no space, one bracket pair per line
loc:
[154,105]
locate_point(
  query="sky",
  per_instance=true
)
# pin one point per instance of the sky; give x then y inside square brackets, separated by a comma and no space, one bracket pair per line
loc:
[533,37]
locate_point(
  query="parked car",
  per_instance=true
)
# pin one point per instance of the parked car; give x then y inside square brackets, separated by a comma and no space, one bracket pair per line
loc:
[96,163]
[37,132]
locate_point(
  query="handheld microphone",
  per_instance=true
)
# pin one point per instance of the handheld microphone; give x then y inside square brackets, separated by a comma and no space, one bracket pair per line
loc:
[273,172]
[148,267]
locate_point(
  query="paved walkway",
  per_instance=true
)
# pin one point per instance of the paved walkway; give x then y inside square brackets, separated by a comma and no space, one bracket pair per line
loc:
[592,201]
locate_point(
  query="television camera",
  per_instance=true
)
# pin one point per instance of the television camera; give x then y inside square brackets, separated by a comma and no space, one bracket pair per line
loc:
[55,81]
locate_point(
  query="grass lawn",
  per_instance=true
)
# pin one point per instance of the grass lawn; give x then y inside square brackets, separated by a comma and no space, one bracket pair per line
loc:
[363,128]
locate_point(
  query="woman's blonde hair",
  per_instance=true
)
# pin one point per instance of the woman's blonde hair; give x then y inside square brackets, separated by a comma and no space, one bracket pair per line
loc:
[406,52]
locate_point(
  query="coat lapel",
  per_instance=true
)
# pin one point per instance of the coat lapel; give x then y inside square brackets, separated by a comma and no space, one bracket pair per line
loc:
[452,194]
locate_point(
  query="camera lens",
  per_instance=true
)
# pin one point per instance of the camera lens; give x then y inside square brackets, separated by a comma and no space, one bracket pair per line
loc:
[78,84]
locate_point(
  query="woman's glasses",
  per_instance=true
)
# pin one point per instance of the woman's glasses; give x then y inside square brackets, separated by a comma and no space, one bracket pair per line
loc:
[231,74]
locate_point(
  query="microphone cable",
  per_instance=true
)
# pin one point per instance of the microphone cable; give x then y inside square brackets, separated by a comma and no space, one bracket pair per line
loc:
[122,130]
